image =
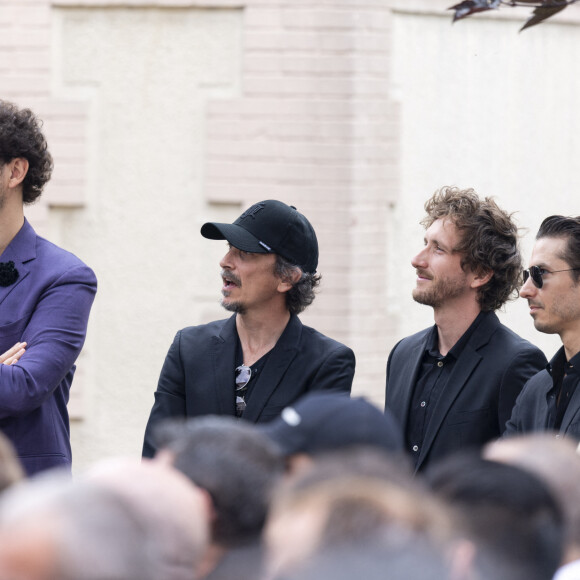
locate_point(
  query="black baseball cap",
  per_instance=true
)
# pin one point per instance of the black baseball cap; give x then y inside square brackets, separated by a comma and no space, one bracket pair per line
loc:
[322,421]
[270,227]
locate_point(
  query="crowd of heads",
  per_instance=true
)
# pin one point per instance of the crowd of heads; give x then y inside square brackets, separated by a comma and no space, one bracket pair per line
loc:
[224,499]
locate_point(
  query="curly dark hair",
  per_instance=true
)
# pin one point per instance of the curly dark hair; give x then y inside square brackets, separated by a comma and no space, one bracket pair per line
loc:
[568,228]
[489,241]
[21,136]
[302,292]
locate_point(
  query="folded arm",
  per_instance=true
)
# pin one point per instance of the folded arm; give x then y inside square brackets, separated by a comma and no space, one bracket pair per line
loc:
[13,354]
[54,333]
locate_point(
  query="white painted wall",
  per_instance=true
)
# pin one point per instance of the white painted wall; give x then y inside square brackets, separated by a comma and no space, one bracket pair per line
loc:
[484,107]
[148,74]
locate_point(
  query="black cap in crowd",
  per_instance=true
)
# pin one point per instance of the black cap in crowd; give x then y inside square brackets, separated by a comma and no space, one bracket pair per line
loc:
[322,421]
[270,227]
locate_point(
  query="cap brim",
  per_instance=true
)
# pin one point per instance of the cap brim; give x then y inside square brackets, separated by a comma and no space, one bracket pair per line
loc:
[235,235]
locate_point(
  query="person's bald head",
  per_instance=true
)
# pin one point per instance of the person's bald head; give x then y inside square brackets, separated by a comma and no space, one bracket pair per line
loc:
[173,506]
[122,520]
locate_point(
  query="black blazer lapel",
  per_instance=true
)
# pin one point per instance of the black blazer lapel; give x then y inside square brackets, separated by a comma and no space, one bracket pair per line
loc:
[464,367]
[572,412]
[457,380]
[224,363]
[278,362]
[401,382]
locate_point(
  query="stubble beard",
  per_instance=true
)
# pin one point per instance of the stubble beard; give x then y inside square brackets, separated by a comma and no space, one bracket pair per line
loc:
[544,328]
[558,312]
[439,292]
[236,307]
[233,306]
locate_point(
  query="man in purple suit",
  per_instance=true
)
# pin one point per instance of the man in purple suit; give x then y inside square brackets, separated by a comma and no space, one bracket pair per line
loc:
[46,295]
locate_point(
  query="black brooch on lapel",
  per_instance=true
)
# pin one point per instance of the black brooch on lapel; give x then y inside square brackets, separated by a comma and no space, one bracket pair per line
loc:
[8,273]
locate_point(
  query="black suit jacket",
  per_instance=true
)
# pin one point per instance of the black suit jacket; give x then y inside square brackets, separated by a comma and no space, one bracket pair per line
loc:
[198,374]
[531,412]
[479,395]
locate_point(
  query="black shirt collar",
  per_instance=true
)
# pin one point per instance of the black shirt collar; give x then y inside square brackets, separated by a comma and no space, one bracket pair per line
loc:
[559,366]
[432,348]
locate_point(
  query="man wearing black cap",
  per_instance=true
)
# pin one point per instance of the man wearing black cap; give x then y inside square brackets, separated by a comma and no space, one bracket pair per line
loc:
[322,422]
[262,358]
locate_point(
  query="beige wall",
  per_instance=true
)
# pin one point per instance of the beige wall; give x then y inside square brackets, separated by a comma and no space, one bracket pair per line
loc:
[165,114]
[148,74]
[484,107]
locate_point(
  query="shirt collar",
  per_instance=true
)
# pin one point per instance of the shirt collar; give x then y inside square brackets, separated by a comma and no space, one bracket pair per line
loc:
[559,365]
[432,347]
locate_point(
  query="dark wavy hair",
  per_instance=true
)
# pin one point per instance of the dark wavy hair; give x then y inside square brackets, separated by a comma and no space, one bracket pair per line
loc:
[237,465]
[302,293]
[489,241]
[21,136]
[559,226]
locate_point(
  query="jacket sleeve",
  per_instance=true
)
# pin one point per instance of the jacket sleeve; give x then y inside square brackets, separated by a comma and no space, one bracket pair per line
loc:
[524,366]
[55,333]
[530,413]
[336,373]
[389,361]
[512,427]
[169,396]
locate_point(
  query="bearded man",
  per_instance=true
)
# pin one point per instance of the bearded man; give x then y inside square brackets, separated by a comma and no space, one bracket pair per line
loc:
[261,359]
[46,294]
[551,400]
[453,385]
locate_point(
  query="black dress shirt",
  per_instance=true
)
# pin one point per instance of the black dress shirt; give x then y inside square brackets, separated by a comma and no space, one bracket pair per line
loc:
[565,377]
[430,386]
[256,369]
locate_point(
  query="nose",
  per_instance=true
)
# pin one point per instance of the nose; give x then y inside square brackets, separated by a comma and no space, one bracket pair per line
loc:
[528,289]
[226,261]
[420,260]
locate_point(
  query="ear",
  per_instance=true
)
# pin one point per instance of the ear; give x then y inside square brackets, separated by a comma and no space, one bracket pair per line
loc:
[289,281]
[298,464]
[17,168]
[165,457]
[209,510]
[481,278]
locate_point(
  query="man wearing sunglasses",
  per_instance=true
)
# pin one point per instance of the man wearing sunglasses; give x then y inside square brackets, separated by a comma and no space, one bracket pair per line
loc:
[550,401]
[262,358]
[453,386]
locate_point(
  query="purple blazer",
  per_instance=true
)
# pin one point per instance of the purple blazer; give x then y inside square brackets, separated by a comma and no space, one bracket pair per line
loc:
[48,307]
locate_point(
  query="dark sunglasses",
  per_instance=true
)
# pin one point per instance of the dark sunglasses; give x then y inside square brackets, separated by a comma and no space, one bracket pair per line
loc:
[536,274]
[243,376]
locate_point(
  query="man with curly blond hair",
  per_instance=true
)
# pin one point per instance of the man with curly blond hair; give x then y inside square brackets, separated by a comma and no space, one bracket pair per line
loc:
[46,295]
[453,385]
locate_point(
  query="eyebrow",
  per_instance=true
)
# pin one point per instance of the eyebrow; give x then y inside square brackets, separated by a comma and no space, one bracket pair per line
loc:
[541,265]
[435,241]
